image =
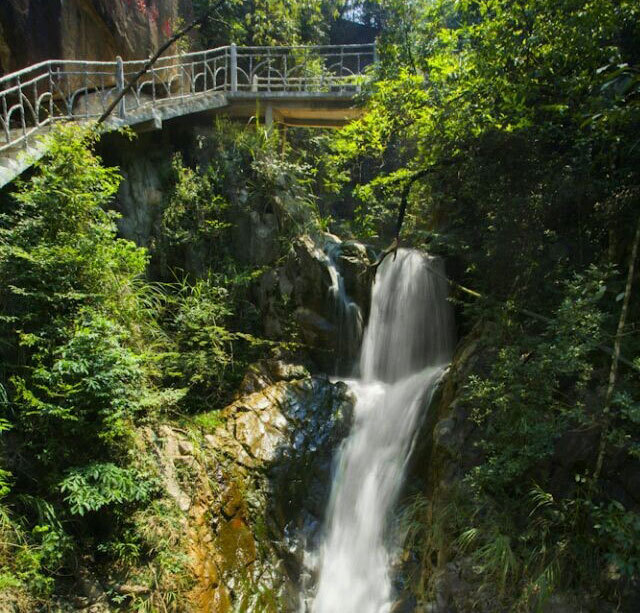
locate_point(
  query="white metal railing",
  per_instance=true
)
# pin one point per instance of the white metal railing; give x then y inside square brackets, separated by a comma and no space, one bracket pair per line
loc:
[37,96]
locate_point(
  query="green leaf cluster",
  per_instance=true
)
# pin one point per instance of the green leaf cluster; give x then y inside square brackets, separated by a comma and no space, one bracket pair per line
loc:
[73,315]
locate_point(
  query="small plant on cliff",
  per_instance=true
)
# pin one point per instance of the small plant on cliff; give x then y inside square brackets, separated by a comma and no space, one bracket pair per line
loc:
[196,215]
[203,354]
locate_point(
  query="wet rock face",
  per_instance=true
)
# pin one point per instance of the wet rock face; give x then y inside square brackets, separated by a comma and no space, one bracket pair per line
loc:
[268,372]
[278,442]
[353,262]
[255,238]
[84,29]
[304,281]
[288,432]
[140,200]
[254,489]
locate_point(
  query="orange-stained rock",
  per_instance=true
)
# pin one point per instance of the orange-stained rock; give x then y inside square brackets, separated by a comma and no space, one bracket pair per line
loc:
[235,545]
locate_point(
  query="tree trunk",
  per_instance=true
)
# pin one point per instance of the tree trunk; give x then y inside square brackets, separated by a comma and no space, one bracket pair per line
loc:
[617,346]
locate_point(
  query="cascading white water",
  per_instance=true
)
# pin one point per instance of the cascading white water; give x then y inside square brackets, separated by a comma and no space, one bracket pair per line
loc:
[407,343]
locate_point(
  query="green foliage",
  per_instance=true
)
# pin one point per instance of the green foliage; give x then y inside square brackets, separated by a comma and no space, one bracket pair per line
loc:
[195,212]
[203,352]
[98,485]
[519,405]
[495,103]
[28,557]
[208,421]
[58,249]
[5,425]
[73,316]
[67,301]
[540,387]
[239,167]
[285,187]
[619,528]
[271,22]
[207,358]
[87,386]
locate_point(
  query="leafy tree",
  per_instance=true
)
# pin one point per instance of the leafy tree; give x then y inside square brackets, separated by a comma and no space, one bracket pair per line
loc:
[272,22]
[518,122]
[71,327]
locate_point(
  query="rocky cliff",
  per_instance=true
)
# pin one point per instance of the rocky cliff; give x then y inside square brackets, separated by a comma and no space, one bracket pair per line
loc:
[242,491]
[32,30]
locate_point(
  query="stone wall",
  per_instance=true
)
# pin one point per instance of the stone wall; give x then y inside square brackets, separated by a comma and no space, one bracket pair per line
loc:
[33,30]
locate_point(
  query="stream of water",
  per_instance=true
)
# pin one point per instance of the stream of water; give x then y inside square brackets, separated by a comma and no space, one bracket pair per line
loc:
[407,343]
[347,313]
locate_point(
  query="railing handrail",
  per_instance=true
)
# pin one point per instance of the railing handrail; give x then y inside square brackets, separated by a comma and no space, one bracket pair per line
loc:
[240,49]
[47,63]
[312,47]
[180,55]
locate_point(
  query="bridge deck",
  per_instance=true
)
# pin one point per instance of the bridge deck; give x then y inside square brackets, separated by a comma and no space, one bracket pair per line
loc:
[297,86]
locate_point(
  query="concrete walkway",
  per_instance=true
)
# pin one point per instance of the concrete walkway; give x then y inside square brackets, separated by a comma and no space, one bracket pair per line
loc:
[295,86]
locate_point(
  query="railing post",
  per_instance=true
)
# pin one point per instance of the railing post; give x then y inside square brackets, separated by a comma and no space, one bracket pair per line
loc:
[86,89]
[376,59]
[204,71]
[36,117]
[51,107]
[268,70]
[5,115]
[285,74]
[122,109]
[23,122]
[234,67]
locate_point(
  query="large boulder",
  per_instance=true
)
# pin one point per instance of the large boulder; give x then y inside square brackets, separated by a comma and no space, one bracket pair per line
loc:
[288,432]
[326,318]
[33,30]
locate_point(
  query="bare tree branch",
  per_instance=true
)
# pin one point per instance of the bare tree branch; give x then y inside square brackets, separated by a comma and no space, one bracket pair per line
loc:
[616,358]
[156,56]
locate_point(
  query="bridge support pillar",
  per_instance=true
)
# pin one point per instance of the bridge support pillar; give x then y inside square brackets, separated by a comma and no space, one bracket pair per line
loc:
[268,116]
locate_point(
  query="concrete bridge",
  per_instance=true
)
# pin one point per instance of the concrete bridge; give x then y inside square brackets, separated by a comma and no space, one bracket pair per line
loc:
[308,86]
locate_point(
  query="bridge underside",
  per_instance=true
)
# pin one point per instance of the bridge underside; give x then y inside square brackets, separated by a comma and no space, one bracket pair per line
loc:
[305,110]
[295,109]
[298,110]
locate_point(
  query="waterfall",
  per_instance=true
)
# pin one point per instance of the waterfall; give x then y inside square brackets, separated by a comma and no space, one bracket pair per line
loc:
[407,343]
[347,313]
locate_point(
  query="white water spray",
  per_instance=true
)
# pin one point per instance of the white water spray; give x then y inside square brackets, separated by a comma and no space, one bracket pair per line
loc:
[407,343]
